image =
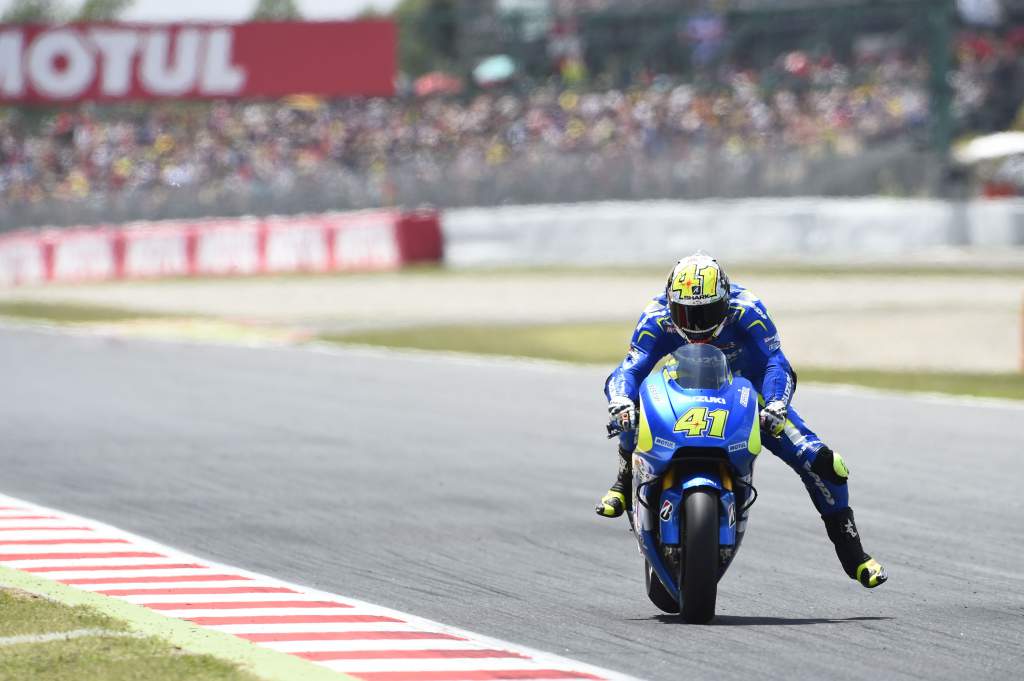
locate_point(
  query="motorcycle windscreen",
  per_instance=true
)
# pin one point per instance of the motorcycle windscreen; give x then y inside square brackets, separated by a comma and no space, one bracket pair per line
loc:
[699,366]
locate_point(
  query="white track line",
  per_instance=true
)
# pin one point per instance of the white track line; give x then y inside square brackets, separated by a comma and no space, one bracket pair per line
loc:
[125,576]
[142,585]
[334,631]
[386,644]
[431,665]
[36,534]
[315,628]
[194,613]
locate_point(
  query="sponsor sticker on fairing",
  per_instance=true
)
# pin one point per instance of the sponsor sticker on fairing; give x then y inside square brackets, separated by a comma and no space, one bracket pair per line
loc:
[737,446]
[642,469]
[744,396]
[662,442]
[666,511]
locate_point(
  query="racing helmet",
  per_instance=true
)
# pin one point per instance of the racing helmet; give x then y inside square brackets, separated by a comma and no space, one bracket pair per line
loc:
[698,297]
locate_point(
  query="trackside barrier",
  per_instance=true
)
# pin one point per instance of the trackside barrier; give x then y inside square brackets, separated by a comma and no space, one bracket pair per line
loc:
[807,229]
[331,242]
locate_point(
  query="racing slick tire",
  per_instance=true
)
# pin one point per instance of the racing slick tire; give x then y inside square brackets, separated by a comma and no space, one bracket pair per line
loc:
[699,578]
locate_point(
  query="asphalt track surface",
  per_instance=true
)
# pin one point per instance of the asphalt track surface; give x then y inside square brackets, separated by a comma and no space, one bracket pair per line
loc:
[462,491]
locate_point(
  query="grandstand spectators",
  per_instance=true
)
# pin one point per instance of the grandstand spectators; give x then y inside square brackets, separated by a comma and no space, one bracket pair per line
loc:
[248,156]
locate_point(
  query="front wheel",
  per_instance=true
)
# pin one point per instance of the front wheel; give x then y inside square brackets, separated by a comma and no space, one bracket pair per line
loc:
[699,579]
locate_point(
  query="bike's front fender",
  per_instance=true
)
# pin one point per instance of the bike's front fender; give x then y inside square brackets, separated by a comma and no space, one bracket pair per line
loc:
[702,481]
[670,520]
[727,513]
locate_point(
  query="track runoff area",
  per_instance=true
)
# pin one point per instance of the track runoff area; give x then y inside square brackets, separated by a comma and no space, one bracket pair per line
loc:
[341,634]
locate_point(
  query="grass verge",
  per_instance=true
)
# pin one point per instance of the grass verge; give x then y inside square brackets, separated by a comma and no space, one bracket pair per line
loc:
[1009,386]
[596,343]
[66,312]
[28,614]
[161,648]
[105,653]
[601,342]
[605,343]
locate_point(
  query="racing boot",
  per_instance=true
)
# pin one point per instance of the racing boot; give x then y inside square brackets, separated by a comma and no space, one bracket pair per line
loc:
[842,530]
[617,500]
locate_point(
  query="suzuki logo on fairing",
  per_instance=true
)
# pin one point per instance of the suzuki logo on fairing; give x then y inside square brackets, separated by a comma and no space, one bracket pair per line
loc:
[706,398]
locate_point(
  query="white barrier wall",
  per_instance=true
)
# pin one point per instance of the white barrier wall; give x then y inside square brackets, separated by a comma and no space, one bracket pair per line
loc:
[799,228]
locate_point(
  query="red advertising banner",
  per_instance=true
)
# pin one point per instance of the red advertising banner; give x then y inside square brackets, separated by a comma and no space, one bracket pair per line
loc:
[121,62]
[354,241]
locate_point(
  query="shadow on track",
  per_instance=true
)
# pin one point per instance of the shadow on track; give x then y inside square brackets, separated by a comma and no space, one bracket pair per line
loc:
[744,621]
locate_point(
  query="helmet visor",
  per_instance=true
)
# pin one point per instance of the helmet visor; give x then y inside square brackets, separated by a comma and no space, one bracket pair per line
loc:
[698,322]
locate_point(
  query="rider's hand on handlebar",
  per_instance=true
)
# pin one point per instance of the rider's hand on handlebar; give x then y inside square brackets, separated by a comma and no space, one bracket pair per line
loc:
[773,417]
[621,415]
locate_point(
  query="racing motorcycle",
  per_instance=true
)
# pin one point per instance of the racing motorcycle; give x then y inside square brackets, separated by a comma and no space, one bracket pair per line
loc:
[697,439]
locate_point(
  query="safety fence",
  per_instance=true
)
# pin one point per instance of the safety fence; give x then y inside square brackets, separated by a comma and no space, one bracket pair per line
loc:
[703,172]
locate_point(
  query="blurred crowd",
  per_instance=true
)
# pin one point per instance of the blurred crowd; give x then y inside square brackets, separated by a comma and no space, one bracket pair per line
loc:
[762,131]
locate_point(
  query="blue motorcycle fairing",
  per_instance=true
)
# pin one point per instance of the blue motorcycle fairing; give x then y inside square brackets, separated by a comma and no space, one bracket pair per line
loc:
[664,406]
[673,419]
[727,520]
[649,547]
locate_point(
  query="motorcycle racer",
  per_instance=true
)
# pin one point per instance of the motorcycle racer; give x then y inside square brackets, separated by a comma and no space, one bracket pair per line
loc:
[701,305]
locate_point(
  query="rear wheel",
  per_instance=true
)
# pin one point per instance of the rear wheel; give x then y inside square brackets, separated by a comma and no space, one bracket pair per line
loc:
[657,592]
[699,579]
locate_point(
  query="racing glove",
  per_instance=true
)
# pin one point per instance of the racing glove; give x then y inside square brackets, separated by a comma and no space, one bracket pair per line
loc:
[773,417]
[621,415]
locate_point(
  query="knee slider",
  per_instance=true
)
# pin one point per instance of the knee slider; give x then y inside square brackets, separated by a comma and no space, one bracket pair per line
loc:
[830,466]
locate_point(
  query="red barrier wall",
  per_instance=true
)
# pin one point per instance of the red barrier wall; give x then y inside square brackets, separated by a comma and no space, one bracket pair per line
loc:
[359,241]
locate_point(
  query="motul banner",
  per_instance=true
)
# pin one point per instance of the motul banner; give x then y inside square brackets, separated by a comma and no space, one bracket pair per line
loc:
[117,62]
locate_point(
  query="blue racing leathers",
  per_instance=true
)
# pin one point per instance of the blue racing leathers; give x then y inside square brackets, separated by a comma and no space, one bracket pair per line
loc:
[751,343]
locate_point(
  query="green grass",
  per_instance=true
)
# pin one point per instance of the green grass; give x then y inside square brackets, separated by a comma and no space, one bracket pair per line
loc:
[605,343]
[596,342]
[602,342]
[25,613]
[93,658]
[1009,386]
[67,312]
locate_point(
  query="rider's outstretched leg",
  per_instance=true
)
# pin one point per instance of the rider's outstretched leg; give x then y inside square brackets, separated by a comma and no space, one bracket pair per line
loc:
[843,532]
[825,475]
